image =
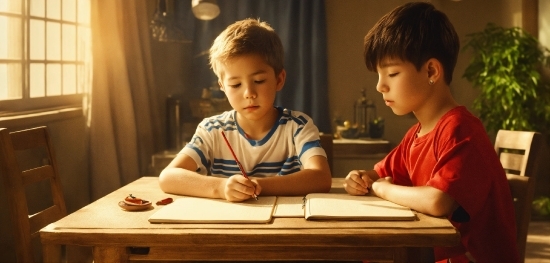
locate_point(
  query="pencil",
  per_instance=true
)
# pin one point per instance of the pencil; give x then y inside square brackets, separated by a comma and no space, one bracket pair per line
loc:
[238,163]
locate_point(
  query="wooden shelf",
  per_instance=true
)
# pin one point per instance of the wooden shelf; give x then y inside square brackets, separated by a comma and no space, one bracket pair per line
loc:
[348,148]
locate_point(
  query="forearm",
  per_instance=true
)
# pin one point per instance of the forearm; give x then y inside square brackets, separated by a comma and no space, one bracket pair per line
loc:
[424,199]
[300,183]
[184,182]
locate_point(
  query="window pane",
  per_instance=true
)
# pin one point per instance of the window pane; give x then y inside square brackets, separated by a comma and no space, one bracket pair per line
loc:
[53,38]
[53,79]
[69,79]
[10,38]
[69,10]
[69,42]
[10,6]
[53,9]
[10,81]
[37,80]
[38,8]
[84,44]
[37,39]
[80,78]
[84,11]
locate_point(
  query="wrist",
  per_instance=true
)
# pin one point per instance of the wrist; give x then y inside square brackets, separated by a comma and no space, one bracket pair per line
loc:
[378,188]
[220,189]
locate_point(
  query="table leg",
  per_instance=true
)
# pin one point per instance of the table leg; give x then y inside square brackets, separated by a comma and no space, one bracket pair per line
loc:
[414,254]
[110,255]
[400,255]
[51,253]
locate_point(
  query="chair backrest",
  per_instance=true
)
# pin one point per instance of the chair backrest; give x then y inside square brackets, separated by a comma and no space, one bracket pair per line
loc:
[327,144]
[27,162]
[518,152]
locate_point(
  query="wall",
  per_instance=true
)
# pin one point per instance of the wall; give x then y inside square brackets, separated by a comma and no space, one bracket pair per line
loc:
[544,23]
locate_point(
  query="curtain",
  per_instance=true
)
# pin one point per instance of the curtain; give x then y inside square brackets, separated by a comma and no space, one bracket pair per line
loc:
[301,25]
[123,130]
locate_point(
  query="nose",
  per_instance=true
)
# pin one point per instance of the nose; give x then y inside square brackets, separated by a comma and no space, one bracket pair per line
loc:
[381,87]
[250,92]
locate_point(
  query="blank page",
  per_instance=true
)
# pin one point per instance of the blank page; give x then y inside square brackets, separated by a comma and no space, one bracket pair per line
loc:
[205,210]
[349,207]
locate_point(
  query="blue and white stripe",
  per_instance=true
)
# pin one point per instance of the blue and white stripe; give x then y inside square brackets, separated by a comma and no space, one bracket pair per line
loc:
[291,141]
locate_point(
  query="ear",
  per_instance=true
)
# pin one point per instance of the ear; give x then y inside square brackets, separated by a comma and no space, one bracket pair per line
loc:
[221,86]
[434,69]
[281,78]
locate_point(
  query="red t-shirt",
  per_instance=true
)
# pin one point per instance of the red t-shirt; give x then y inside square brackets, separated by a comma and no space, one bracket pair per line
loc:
[458,158]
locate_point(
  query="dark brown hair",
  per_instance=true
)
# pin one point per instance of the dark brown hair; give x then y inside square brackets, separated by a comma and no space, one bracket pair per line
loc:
[413,32]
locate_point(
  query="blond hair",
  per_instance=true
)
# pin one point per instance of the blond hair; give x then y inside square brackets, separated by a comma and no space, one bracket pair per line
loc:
[248,36]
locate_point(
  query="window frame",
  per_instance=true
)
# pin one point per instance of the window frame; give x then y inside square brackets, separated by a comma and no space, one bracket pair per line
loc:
[45,103]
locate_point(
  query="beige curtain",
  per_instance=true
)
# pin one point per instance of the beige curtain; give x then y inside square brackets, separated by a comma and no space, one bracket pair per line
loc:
[123,128]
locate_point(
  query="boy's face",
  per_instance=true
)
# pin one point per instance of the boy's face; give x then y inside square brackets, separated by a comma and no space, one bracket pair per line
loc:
[251,86]
[404,88]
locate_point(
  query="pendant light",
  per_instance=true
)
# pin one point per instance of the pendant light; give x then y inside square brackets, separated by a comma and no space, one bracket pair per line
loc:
[205,9]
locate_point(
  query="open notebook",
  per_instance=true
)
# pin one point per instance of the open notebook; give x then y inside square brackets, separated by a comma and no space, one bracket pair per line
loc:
[329,206]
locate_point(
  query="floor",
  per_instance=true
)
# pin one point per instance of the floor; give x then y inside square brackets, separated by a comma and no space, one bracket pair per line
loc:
[538,242]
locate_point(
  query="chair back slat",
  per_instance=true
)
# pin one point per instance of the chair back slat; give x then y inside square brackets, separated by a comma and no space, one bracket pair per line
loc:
[38,174]
[29,139]
[513,162]
[43,218]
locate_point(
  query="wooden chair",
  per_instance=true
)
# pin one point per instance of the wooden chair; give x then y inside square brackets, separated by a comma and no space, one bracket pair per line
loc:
[327,143]
[27,163]
[518,152]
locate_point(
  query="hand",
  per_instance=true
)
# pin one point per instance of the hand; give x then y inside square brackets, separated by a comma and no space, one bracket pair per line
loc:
[358,182]
[238,188]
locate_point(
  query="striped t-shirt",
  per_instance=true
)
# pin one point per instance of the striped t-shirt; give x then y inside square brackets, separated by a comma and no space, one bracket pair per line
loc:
[291,141]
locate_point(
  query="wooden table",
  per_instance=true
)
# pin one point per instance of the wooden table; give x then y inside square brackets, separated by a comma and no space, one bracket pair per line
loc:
[119,236]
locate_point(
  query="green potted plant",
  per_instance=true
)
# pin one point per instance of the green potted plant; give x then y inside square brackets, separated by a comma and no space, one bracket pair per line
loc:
[508,68]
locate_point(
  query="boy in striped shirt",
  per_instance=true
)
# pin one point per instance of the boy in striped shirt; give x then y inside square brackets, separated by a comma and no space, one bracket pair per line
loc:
[278,148]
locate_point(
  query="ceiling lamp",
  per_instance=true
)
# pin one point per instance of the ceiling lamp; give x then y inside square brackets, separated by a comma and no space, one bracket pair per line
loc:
[205,9]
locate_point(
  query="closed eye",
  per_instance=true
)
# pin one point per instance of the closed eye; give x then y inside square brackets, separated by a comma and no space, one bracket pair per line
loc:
[393,74]
[259,81]
[235,85]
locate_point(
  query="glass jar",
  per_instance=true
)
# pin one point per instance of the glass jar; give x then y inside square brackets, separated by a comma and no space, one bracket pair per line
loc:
[364,114]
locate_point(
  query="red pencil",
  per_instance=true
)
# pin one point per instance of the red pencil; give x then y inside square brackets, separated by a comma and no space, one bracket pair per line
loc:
[237,160]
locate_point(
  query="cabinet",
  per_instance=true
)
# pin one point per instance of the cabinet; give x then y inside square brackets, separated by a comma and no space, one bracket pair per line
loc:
[160,160]
[357,154]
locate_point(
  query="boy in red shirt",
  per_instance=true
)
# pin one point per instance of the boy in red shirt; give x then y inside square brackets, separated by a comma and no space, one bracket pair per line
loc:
[446,164]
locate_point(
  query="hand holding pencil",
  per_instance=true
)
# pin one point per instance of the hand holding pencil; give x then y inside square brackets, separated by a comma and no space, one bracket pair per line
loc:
[239,164]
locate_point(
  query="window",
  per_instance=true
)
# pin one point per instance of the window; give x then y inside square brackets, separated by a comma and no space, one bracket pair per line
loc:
[45,54]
